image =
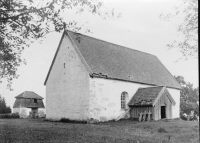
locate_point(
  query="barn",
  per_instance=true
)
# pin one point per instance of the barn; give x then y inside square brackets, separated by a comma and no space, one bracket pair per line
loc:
[29,104]
[157,100]
[91,79]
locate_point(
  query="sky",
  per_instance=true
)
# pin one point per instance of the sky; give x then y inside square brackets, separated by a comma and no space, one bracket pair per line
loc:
[139,27]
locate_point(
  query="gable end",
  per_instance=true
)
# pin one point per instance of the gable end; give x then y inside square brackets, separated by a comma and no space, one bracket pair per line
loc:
[76,49]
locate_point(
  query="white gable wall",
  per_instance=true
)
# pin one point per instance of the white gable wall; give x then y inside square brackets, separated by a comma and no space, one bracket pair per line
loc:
[67,89]
[176,96]
[105,98]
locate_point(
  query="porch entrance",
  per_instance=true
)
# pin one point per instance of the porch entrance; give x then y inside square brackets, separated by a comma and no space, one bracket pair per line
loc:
[34,113]
[163,112]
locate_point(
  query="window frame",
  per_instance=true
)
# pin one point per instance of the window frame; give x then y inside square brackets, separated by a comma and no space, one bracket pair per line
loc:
[35,101]
[124,98]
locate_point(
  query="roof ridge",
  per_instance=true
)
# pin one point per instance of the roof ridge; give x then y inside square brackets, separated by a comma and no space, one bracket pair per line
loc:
[128,48]
[28,91]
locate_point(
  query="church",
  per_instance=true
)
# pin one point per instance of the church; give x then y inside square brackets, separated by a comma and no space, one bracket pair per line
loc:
[93,79]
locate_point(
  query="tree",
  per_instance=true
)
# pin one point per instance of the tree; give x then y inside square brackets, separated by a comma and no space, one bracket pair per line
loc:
[3,107]
[189,97]
[23,21]
[188,46]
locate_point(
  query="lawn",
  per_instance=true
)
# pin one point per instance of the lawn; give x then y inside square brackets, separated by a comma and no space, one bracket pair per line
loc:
[126,131]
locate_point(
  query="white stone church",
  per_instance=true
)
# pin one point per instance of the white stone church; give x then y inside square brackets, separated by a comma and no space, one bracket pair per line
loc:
[93,79]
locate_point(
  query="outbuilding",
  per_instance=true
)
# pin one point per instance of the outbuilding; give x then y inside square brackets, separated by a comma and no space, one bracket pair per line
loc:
[27,104]
[156,100]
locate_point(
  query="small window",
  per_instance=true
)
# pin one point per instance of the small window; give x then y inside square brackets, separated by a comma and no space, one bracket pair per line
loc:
[64,65]
[124,99]
[123,102]
[35,100]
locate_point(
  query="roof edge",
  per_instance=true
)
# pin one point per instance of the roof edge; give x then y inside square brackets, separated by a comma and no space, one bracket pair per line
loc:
[29,97]
[58,48]
[106,77]
[170,73]
[38,95]
[159,95]
[19,94]
[170,97]
[132,98]
[150,105]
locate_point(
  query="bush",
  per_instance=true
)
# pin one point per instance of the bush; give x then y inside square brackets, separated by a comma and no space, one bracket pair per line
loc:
[9,116]
[65,120]
[162,130]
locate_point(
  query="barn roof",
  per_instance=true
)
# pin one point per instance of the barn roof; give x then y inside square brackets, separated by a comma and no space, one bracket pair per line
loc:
[149,96]
[112,61]
[29,94]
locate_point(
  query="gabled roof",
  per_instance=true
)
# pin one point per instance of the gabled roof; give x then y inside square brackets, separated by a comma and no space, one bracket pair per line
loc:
[107,60]
[149,96]
[29,94]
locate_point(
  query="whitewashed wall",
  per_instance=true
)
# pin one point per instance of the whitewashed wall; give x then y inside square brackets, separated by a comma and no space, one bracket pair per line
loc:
[23,111]
[176,96]
[105,97]
[16,110]
[67,89]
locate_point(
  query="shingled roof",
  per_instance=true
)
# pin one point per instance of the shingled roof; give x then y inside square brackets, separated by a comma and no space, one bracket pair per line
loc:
[149,96]
[112,61]
[29,94]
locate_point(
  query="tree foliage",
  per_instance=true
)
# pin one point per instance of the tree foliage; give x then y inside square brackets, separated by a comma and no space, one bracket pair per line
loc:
[3,107]
[23,21]
[189,97]
[188,11]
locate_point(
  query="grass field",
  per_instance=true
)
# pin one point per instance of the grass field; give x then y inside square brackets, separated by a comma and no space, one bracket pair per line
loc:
[126,131]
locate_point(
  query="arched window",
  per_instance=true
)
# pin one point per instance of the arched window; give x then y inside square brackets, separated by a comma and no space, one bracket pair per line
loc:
[124,99]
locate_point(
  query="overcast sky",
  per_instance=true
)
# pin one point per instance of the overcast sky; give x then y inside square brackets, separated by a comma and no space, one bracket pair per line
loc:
[139,27]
